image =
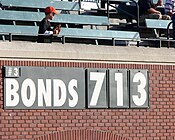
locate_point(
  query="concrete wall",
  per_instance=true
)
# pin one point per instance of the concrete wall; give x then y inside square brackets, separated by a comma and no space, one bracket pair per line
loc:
[155,123]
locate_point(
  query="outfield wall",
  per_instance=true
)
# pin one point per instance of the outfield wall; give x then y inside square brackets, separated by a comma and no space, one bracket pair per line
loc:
[154,123]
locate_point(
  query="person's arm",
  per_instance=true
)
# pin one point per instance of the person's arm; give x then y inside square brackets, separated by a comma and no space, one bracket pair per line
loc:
[152,11]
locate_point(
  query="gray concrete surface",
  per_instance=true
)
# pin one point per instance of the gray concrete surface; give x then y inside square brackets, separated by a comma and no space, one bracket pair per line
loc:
[83,52]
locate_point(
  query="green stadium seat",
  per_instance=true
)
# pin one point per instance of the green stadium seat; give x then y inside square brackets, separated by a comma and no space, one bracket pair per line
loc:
[41,4]
[157,23]
[72,33]
[99,34]
[159,26]
[62,18]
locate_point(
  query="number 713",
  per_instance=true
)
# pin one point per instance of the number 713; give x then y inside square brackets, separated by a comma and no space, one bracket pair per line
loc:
[117,88]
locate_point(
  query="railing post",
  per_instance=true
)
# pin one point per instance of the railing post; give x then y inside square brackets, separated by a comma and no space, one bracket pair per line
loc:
[173,21]
[79,2]
[63,39]
[168,34]
[113,42]
[138,23]
[10,37]
[108,12]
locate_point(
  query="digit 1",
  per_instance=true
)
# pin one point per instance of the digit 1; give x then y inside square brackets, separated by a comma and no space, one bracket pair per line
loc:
[119,82]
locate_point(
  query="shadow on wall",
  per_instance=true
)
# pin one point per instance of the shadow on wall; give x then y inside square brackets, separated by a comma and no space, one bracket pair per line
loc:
[81,135]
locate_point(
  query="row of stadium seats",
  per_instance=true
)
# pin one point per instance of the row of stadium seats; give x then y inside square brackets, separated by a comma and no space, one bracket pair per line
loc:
[40,5]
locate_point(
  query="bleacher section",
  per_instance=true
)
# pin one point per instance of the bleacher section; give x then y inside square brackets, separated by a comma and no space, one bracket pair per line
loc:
[25,23]
[21,19]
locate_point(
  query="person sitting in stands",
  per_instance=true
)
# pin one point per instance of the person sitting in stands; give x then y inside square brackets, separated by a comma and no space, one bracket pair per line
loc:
[170,7]
[147,9]
[46,32]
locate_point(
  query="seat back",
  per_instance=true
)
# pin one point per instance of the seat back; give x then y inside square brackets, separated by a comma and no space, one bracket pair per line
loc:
[26,16]
[41,4]
[157,24]
[102,34]
[19,30]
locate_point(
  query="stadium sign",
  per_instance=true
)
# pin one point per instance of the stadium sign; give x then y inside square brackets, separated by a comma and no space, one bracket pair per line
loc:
[74,88]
